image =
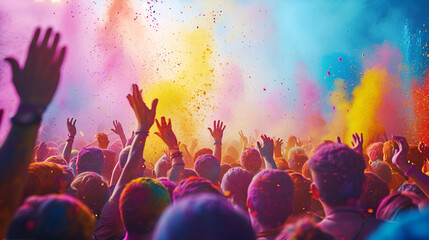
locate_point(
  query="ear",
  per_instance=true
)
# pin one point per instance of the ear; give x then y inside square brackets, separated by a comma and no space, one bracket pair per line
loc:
[315,191]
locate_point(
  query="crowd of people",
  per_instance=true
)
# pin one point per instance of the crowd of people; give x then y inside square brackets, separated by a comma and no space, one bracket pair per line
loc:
[108,191]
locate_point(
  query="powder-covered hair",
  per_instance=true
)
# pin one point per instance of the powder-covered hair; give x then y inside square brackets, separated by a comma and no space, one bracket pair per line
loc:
[90,159]
[194,185]
[251,160]
[208,167]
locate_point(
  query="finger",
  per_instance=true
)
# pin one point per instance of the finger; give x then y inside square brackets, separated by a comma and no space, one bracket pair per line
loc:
[214,124]
[113,130]
[61,57]
[74,123]
[157,124]
[163,122]
[130,100]
[211,131]
[169,123]
[361,137]
[54,45]
[158,134]
[259,146]
[223,128]
[46,39]
[338,140]
[154,105]
[353,144]
[33,44]
[14,64]
[67,120]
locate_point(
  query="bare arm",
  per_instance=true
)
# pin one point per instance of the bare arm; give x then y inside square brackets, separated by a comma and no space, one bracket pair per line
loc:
[400,160]
[71,127]
[35,84]
[267,152]
[120,131]
[167,135]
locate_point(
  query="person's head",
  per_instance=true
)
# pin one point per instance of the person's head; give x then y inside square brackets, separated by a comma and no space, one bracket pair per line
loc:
[297,161]
[45,178]
[270,199]
[295,151]
[375,151]
[382,170]
[52,217]
[187,173]
[304,228]
[397,204]
[123,156]
[306,171]
[102,140]
[415,157]
[302,195]
[338,174]
[170,186]
[91,189]
[90,159]
[388,151]
[202,152]
[194,185]
[234,184]
[208,167]
[373,193]
[162,166]
[56,159]
[412,188]
[141,204]
[203,216]
[251,160]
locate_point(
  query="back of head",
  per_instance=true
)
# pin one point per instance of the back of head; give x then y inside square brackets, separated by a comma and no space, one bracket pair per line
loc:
[91,189]
[382,170]
[388,151]
[281,163]
[338,173]
[56,159]
[396,204]
[251,160]
[90,159]
[194,185]
[224,167]
[52,217]
[375,190]
[170,186]
[235,183]
[141,204]
[123,156]
[306,171]
[202,152]
[302,195]
[303,229]
[270,198]
[295,151]
[412,188]
[297,161]
[208,167]
[375,151]
[187,173]
[103,140]
[162,166]
[45,178]
[415,157]
[203,216]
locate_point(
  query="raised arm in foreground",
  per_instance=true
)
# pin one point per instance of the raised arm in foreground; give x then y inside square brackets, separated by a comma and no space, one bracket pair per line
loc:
[35,84]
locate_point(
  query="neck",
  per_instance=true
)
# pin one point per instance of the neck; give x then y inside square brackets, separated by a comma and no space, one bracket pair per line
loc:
[349,206]
[134,236]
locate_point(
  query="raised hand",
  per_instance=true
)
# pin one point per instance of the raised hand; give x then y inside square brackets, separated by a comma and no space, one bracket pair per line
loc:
[42,152]
[71,127]
[424,149]
[400,155]
[338,139]
[145,116]
[268,149]
[37,81]
[243,139]
[357,143]
[166,133]
[217,131]
[278,147]
[117,128]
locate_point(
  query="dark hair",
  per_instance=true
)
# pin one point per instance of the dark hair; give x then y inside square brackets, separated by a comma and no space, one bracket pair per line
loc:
[90,159]
[338,173]
[193,185]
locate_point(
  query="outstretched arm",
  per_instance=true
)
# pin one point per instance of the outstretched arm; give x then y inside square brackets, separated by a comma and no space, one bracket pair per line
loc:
[217,134]
[120,131]
[167,135]
[35,84]
[267,152]
[400,160]
[71,127]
